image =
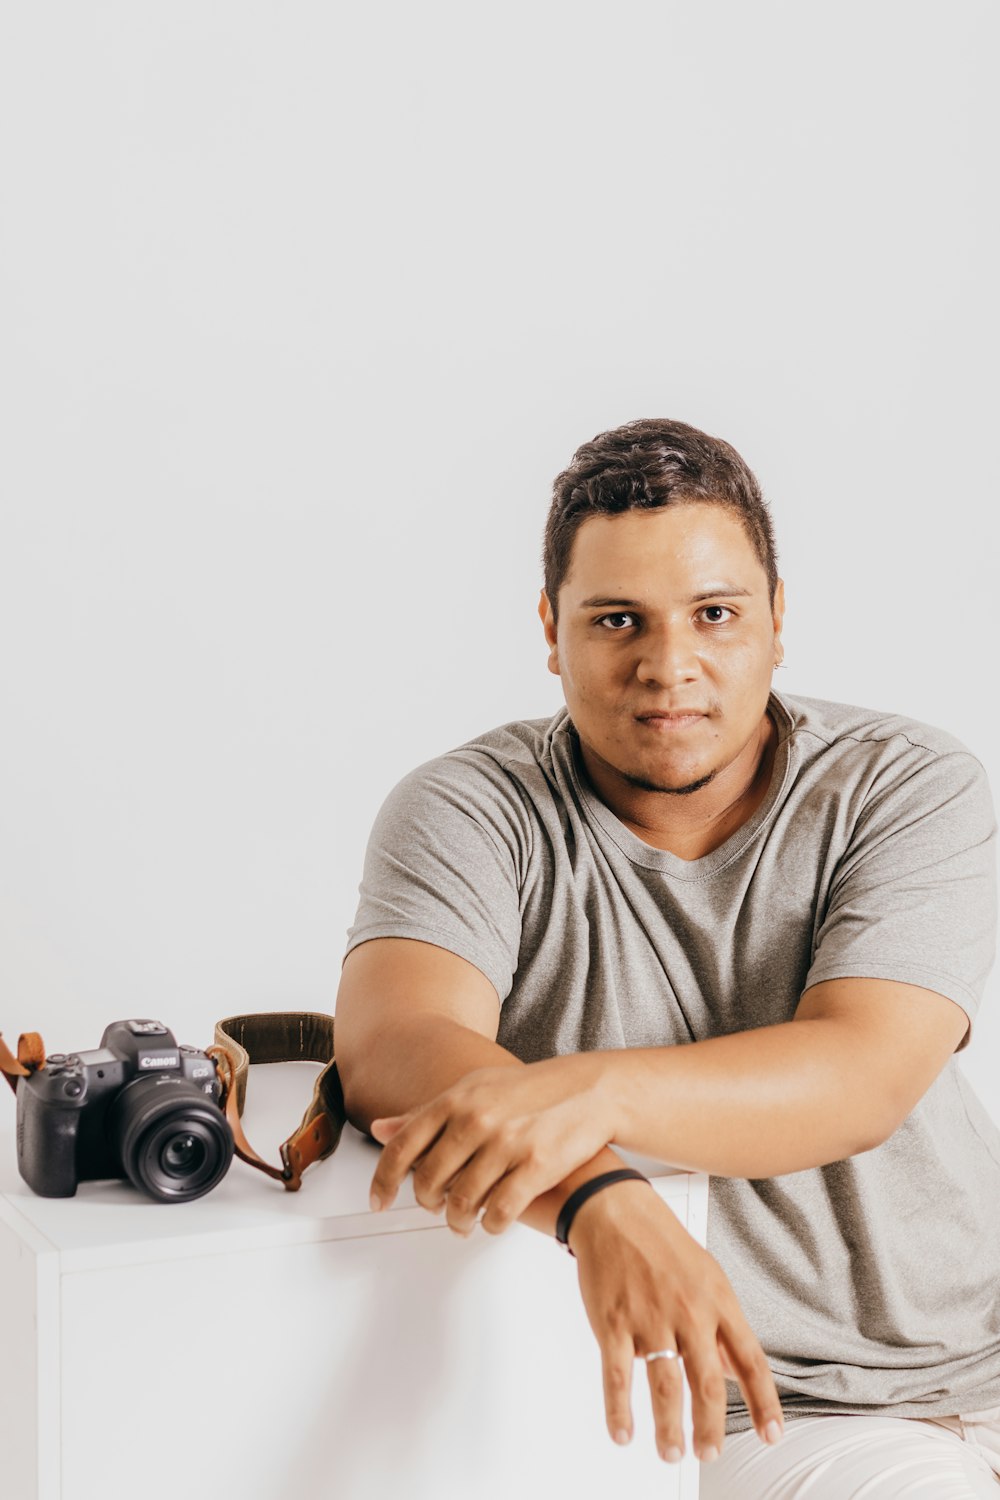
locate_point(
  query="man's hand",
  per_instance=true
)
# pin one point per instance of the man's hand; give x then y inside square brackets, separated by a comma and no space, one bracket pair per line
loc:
[495,1141]
[500,1139]
[647,1286]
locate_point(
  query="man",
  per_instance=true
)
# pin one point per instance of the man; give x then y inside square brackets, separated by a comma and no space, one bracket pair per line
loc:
[735,931]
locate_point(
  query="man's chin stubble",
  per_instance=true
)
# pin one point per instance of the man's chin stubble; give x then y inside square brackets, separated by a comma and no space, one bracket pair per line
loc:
[668,791]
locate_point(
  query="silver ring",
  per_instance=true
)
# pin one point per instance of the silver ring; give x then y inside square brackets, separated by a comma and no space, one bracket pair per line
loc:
[662,1354]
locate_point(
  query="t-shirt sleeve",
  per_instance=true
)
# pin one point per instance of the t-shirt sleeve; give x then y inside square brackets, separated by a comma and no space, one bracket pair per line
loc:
[442,866]
[914,896]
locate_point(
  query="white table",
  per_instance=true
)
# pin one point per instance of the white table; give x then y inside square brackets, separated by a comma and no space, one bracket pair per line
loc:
[333,1351]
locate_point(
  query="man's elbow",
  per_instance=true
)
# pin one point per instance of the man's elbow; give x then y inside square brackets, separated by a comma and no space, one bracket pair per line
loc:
[363,1059]
[883,1117]
[350,1067]
[871,1139]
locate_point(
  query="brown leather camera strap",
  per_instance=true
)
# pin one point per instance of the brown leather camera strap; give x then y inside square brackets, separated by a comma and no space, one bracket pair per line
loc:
[30,1057]
[282,1036]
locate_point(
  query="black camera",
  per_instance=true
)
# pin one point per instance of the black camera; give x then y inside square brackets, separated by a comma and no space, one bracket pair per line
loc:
[138,1106]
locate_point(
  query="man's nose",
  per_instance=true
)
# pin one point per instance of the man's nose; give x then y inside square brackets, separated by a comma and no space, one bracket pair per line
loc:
[669,655]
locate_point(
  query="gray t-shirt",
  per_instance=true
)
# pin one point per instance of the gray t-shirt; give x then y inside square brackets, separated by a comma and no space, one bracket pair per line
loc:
[873,1284]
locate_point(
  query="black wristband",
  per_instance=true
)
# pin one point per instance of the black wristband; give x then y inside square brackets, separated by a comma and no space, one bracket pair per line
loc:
[587,1190]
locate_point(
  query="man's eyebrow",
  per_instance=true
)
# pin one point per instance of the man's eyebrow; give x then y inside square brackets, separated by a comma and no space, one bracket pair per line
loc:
[725,590]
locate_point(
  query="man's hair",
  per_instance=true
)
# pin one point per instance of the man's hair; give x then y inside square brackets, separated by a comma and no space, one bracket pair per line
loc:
[646,465]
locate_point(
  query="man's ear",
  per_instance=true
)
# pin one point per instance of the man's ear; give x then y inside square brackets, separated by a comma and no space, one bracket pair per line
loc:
[545,615]
[778,617]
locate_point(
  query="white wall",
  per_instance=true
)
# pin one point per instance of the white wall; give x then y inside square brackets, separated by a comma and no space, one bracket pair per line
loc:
[305,307]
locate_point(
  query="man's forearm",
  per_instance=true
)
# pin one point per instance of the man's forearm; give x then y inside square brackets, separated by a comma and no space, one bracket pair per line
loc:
[419,1060]
[754,1104]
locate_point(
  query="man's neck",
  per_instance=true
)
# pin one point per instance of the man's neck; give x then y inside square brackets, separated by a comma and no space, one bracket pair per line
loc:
[692,825]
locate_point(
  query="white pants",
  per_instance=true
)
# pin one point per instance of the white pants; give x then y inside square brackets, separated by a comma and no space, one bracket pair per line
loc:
[862,1458]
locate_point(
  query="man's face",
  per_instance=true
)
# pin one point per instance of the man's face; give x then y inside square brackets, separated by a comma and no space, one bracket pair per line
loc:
[666,611]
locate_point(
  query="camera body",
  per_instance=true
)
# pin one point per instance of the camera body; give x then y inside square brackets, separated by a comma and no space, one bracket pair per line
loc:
[139,1106]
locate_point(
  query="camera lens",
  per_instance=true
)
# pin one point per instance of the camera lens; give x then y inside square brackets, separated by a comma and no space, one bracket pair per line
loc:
[175,1143]
[182,1155]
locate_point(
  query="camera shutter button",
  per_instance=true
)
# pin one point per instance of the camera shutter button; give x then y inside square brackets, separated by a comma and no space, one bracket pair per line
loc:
[73,1088]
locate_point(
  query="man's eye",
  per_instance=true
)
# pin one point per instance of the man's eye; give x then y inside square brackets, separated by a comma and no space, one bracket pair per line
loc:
[603,618]
[717,614]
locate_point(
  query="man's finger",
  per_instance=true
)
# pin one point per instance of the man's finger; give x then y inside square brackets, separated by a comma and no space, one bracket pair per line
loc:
[617,1358]
[435,1174]
[748,1366]
[666,1390]
[399,1154]
[470,1191]
[511,1196]
[707,1384]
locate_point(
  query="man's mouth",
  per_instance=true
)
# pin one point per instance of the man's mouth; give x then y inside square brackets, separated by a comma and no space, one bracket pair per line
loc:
[669,723]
